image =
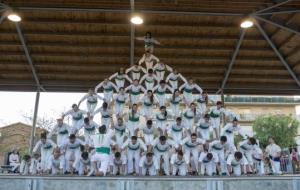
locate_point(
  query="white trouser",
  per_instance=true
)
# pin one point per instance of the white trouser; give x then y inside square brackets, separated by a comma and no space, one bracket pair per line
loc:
[149,138]
[182,169]
[161,99]
[103,159]
[147,111]
[248,156]
[76,124]
[175,110]
[134,99]
[120,83]
[202,108]
[215,123]
[61,139]
[133,157]
[45,155]
[91,106]
[55,170]
[119,108]
[259,166]
[119,138]
[135,76]
[151,170]
[188,97]
[149,85]
[230,138]
[161,124]
[132,126]
[105,121]
[116,169]
[174,84]
[72,156]
[221,158]
[188,123]
[160,75]
[236,170]
[195,155]
[208,168]
[204,133]
[15,166]
[88,137]
[177,137]
[166,162]
[108,96]
[276,167]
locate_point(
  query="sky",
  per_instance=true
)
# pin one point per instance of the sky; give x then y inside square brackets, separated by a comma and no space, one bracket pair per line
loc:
[14,105]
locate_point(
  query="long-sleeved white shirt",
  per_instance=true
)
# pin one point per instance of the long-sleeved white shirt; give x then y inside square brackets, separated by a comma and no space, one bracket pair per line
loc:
[137,146]
[109,86]
[49,144]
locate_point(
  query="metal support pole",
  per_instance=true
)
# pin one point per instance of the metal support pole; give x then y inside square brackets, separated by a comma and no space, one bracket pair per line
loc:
[36,107]
[277,24]
[280,12]
[2,18]
[283,61]
[132,35]
[272,7]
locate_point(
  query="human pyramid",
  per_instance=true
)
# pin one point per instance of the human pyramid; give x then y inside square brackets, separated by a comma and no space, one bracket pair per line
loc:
[152,126]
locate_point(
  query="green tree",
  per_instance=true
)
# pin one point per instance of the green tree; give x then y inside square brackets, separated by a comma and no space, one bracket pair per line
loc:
[283,128]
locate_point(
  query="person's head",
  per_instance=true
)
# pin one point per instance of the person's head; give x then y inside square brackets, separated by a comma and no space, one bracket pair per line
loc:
[148,35]
[86,121]
[162,83]
[190,81]
[175,71]
[206,117]
[149,156]
[193,137]
[134,107]
[271,140]
[209,156]
[134,139]
[59,121]
[147,53]
[192,106]
[223,139]
[91,91]
[105,105]
[43,137]
[36,156]
[135,82]
[238,156]
[150,71]
[72,138]
[120,121]
[162,109]
[84,155]
[102,129]
[121,71]
[180,155]
[106,81]
[178,120]
[252,141]
[219,104]
[26,158]
[56,153]
[235,122]
[149,93]
[149,123]
[162,139]
[75,107]
[117,155]
[121,90]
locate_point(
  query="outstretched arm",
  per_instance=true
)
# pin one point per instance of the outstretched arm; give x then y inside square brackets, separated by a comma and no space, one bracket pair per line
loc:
[113,76]
[98,86]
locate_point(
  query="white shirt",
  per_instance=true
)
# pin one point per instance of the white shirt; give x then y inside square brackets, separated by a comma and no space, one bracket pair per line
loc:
[174,77]
[176,161]
[163,147]
[60,130]
[114,162]
[145,164]
[233,162]
[14,158]
[187,142]
[49,144]
[103,140]
[67,145]
[91,98]
[137,146]
[273,150]
[203,158]
[75,115]
[230,129]
[56,163]
[109,86]
[189,87]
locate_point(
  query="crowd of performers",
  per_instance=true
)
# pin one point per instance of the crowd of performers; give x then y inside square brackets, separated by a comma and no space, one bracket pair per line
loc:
[150,125]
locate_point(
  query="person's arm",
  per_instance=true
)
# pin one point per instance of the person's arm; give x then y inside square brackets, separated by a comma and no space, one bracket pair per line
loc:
[197,87]
[169,88]
[182,78]
[53,131]
[143,145]
[99,97]
[168,77]
[98,86]
[169,68]
[142,60]
[140,38]
[182,86]
[82,99]
[129,69]
[142,79]
[52,143]
[128,88]
[143,69]
[156,42]
[143,89]
[114,86]
[113,76]
[67,113]
[37,146]
[128,79]
[125,144]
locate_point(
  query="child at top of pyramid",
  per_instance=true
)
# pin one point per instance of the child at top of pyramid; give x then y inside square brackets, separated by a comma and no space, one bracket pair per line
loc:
[149,41]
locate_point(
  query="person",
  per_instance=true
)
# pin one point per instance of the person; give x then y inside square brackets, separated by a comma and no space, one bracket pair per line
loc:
[135,89]
[177,131]
[189,116]
[148,165]
[217,147]
[108,89]
[190,146]
[150,80]
[61,130]
[72,150]
[149,42]
[162,119]
[92,99]
[235,164]
[161,148]
[203,127]
[160,91]
[134,147]
[160,68]
[148,101]
[106,114]
[174,102]
[188,88]
[173,77]
[46,146]
[25,165]
[119,102]
[295,159]
[35,165]
[14,160]
[274,153]
[215,114]
[133,120]
[148,132]
[83,165]
[77,117]
[56,163]
[90,127]
[208,163]
[102,143]
[136,70]
[149,59]
[246,147]
[229,130]
[120,129]
[258,160]
[178,164]
[202,100]
[120,78]
[118,164]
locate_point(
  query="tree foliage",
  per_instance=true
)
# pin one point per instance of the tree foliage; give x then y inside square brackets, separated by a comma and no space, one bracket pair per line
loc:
[283,128]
